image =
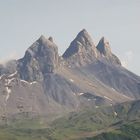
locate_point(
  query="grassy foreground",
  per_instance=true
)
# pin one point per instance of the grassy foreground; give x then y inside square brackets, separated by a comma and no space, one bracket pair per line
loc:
[121,122]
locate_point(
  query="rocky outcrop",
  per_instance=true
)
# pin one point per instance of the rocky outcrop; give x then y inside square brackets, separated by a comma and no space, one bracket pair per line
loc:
[81,50]
[41,58]
[105,52]
[104,47]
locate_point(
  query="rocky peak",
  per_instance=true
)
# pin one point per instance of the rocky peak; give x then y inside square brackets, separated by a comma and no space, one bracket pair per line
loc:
[104,47]
[104,50]
[42,39]
[84,38]
[50,38]
[82,42]
[40,58]
[81,50]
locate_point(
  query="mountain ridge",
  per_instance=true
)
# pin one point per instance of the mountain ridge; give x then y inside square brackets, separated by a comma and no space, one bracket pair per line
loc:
[84,76]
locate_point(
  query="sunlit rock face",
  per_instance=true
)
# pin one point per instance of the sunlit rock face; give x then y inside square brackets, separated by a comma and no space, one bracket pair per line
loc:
[81,50]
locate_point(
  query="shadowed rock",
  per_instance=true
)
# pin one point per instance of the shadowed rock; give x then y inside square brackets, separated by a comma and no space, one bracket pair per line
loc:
[104,47]
[41,58]
[105,52]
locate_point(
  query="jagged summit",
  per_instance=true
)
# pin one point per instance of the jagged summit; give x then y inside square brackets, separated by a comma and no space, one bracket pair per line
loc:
[105,53]
[40,58]
[46,84]
[103,39]
[84,34]
[42,47]
[104,47]
[42,39]
[48,42]
[82,42]
[50,38]
[81,49]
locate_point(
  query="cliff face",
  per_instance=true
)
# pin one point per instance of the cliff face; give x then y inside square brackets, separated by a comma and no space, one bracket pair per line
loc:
[81,50]
[105,52]
[41,58]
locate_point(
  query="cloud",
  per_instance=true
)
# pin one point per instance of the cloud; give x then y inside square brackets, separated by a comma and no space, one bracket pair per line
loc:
[127,58]
[11,56]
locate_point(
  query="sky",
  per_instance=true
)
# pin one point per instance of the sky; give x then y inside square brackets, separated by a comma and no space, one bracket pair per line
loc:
[24,21]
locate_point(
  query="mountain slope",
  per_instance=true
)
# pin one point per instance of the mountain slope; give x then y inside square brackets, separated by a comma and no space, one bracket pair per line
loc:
[92,122]
[85,76]
[115,122]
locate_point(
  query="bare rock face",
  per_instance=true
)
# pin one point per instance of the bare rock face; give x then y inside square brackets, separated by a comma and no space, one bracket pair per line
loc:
[41,58]
[81,50]
[50,38]
[104,47]
[105,52]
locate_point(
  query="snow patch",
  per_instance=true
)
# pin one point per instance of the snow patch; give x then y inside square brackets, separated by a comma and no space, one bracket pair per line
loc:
[125,96]
[90,84]
[96,106]
[13,74]
[34,82]
[10,80]
[71,80]
[113,89]
[8,90]
[107,98]
[7,97]
[74,94]
[8,93]
[24,81]
[115,113]
[80,93]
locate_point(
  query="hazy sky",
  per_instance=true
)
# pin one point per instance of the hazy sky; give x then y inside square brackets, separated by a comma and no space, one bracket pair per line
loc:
[23,21]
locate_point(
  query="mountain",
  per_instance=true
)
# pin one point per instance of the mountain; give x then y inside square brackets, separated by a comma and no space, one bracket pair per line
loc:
[81,50]
[41,58]
[84,94]
[48,85]
[105,66]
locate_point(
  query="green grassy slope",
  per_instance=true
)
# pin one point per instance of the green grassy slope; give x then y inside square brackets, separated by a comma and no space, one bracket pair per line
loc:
[128,131]
[103,123]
